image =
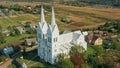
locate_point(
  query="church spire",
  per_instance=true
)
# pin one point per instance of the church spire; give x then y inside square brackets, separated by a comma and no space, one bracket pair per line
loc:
[53,18]
[42,18]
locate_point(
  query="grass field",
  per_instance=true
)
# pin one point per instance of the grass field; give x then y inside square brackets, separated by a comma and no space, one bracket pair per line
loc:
[16,20]
[82,17]
[16,40]
[33,61]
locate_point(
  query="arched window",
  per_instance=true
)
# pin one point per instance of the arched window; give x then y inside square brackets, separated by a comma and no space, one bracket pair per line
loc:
[56,39]
[43,36]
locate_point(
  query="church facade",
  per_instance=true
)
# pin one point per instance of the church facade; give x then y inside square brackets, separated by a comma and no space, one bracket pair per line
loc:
[51,43]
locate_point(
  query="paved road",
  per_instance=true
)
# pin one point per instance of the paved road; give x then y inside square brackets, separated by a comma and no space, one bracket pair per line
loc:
[6,64]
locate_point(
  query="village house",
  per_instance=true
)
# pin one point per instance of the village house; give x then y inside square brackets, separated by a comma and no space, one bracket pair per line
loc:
[7,51]
[20,12]
[101,32]
[29,42]
[29,25]
[1,13]
[11,13]
[21,29]
[118,39]
[95,39]
[6,32]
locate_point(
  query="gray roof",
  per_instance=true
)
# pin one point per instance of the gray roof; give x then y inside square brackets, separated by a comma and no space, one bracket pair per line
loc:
[31,40]
[66,32]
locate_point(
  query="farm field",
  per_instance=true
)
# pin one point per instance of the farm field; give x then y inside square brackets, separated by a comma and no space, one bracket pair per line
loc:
[82,17]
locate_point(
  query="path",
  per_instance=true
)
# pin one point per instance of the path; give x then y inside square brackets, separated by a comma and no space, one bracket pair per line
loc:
[6,64]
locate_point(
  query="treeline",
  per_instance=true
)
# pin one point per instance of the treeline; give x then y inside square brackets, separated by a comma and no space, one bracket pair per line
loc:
[105,2]
[115,3]
[76,2]
[28,0]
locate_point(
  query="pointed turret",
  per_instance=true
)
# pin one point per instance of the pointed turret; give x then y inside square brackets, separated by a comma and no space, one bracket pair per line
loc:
[42,26]
[53,23]
[42,18]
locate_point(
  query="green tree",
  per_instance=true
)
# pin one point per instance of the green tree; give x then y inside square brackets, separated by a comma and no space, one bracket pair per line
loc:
[1,60]
[17,48]
[76,49]
[2,38]
[32,44]
[90,52]
[115,45]
[99,50]
[17,32]
[0,28]
[112,58]
[64,62]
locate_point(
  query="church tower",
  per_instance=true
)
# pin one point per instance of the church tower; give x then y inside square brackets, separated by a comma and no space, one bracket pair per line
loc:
[52,40]
[42,34]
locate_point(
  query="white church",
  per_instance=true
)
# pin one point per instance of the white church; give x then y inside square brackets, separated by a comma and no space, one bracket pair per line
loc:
[51,43]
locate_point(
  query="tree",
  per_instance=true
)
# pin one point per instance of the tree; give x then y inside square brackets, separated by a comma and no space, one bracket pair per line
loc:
[2,38]
[99,50]
[112,58]
[1,60]
[17,48]
[76,49]
[17,32]
[78,60]
[90,52]
[32,44]
[0,28]
[64,62]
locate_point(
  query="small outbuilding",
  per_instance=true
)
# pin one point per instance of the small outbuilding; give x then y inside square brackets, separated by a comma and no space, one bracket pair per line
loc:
[29,42]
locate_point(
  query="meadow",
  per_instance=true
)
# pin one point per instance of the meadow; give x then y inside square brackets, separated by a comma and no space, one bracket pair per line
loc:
[82,17]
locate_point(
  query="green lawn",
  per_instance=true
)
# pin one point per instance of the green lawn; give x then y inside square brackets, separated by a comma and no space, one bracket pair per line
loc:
[11,66]
[11,39]
[33,61]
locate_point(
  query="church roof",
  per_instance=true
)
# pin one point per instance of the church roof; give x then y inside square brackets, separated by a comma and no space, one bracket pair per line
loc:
[65,38]
[66,31]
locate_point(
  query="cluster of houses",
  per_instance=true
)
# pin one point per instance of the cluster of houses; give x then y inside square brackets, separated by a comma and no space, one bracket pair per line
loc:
[8,12]
[21,29]
[96,37]
[28,42]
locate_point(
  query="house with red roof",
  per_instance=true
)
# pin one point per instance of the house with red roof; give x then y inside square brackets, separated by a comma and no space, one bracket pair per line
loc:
[95,39]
